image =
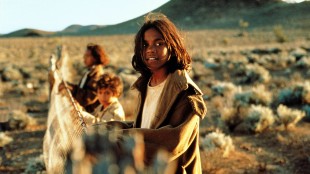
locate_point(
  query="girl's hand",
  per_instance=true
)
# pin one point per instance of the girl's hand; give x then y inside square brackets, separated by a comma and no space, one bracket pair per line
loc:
[61,87]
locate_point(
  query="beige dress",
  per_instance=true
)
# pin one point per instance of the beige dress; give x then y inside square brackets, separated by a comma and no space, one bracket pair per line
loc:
[114,112]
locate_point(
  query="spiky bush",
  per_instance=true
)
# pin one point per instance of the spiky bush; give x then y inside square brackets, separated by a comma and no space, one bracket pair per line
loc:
[289,117]
[35,165]
[279,34]
[306,109]
[234,111]
[303,62]
[4,139]
[226,89]
[19,120]
[257,95]
[281,62]
[306,92]
[230,115]
[233,116]
[201,70]
[218,140]
[243,26]
[260,118]
[298,94]
[12,73]
[252,73]
[290,96]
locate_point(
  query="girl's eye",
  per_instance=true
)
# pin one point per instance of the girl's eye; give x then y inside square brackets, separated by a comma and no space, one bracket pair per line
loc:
[160,43]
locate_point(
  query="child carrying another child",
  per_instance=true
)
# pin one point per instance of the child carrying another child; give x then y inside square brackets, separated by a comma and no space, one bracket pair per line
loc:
[109,89]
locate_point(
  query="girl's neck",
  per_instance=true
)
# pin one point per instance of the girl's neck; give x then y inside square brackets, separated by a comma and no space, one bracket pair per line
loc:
[158,77]
[90,66]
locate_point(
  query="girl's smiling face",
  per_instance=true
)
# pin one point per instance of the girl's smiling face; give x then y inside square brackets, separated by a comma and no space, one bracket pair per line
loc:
[155,50]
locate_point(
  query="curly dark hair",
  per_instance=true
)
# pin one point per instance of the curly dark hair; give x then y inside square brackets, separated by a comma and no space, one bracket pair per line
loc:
[180,58]
[112,82]
[98,54]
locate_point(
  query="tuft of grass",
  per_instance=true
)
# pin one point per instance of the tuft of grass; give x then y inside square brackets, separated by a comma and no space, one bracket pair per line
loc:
[260,118]
[257,95]
[225,89]
[4,139]
[279,34]
[218,140]
[19,120]
[298,94]
[253,73]
[243,27]
[289,117]
[233,116]
[303,63]
[306,109]
[35,165]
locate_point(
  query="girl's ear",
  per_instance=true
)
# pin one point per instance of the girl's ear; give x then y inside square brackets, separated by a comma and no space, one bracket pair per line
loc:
[171,52]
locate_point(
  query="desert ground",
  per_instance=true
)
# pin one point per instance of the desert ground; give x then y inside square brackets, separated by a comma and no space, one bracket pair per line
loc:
[245,77]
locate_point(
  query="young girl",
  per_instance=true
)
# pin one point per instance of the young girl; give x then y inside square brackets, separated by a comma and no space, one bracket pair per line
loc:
[85,92]
[171,105]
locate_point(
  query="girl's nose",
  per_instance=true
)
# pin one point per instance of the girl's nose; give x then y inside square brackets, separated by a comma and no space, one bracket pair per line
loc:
[150,48]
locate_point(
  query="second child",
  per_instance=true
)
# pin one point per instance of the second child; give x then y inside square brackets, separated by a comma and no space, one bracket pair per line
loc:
[109,89]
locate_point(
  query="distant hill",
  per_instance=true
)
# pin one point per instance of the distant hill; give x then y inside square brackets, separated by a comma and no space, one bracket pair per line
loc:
[79,29]
[224,14]
[28,33]
[206,14]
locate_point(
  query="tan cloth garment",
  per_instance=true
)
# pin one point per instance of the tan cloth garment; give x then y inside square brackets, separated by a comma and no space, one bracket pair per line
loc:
[114,112]
[86,96]
[176,123]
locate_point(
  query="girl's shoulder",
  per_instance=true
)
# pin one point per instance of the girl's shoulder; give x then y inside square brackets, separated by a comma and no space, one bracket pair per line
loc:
[96,70]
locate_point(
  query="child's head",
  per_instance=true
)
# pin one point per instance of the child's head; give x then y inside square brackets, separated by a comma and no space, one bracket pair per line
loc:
[178,56]
[109,88]
[95,55]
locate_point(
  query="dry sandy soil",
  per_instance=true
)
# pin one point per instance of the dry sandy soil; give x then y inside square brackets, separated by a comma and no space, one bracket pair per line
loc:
[274,151]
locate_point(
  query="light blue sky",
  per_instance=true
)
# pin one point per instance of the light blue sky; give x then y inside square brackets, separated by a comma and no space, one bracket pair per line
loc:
[55,15]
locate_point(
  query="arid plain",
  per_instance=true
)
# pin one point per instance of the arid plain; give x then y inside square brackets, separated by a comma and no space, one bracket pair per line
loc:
[255,83]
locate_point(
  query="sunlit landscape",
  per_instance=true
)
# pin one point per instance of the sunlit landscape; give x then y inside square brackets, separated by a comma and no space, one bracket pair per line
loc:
[255,82]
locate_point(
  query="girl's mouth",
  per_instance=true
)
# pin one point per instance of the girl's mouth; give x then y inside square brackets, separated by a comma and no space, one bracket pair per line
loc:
[151,58]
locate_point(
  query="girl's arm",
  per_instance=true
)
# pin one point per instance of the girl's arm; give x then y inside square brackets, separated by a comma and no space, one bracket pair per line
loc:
[176,139]
[88,95]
